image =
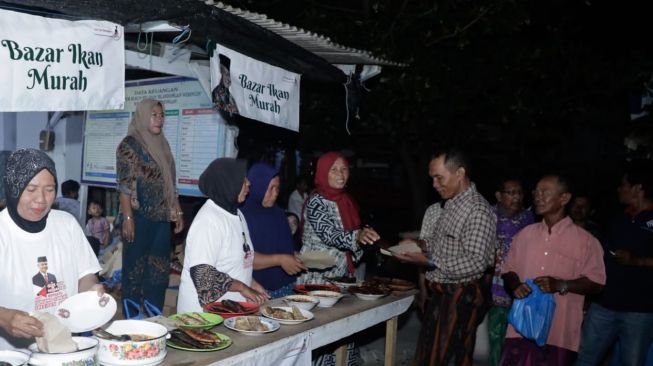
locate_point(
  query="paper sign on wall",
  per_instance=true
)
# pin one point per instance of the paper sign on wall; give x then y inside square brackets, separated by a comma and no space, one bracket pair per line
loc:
[57,65]
[254,89]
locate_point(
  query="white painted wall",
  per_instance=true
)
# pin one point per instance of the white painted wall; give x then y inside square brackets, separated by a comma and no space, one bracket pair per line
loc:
[21,130]
[7,131]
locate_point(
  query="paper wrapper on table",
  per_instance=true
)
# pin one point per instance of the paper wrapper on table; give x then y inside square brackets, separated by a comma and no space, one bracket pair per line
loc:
[56,336]
[174,281]
[405,248]
[170,301]
[317,260]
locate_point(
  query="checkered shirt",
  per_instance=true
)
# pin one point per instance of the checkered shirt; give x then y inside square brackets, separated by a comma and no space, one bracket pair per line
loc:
[463,241]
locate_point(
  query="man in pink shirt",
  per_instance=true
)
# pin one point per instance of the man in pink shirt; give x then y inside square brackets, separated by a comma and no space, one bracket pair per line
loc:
[563,259]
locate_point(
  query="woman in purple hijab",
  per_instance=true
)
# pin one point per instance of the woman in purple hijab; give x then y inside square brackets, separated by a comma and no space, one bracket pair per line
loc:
[275,264]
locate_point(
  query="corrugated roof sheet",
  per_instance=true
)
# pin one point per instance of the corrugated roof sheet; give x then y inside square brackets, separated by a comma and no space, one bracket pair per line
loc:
[318,44]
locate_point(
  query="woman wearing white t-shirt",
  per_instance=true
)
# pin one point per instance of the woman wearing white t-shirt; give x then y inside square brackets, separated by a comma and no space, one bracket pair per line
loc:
[219,256]
[45,255]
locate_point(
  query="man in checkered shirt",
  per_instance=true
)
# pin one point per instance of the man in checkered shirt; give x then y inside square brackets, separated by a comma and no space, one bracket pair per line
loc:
[458,254]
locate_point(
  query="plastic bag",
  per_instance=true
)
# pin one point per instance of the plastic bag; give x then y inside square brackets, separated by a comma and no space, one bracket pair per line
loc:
[532,316]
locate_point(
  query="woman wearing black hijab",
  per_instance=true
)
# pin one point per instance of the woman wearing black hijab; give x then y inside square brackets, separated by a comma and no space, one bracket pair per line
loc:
[45,255]
[219,256]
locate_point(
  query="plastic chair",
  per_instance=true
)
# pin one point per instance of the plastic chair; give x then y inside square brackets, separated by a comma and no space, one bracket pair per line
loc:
[132,309]
[151,309]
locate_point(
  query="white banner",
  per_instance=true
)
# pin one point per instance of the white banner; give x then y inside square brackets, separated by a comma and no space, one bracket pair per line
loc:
[58,65]
[253,89]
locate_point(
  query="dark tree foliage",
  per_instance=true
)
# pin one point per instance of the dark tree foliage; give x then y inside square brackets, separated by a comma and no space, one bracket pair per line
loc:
[522,84]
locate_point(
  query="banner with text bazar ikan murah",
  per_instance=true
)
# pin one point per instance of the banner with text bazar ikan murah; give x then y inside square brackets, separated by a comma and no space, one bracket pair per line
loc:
[253,89]
[59,65]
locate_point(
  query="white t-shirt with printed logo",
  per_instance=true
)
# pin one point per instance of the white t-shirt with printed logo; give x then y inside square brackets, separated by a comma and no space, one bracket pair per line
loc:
[215,238]
[22,286]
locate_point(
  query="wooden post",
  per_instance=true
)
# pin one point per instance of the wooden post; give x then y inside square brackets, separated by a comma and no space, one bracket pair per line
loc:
[341,355]
[390,341]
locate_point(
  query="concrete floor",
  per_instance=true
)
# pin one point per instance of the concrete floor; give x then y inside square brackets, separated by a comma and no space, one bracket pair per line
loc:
[372,344]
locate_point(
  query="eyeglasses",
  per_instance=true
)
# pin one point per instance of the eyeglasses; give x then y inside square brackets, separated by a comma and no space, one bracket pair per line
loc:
[543,192]
[514,192]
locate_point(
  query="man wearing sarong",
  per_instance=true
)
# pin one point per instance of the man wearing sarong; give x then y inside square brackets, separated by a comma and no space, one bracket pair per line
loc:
[458,255]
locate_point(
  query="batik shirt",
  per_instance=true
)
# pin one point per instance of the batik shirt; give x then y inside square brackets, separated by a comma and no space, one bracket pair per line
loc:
[463,243]
[507,227]
[140,177]
[323,231]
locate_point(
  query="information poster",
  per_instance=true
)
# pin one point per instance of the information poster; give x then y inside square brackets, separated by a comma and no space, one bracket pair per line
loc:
[196,133]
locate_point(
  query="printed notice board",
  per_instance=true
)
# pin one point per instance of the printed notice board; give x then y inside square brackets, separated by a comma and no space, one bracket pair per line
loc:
[196,132]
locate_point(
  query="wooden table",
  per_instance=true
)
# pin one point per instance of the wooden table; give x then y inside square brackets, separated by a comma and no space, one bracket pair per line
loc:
[349,316]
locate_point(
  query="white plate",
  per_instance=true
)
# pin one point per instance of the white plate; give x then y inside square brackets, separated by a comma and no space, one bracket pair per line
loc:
[411,247]
[307,314]
[272,325]
[14,357]
[346,285]
[369,296]
[86,311]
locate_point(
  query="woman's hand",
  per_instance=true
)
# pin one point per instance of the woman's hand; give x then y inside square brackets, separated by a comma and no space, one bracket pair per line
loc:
[20,324]
[128,229]
[291,264]
[255,294]
[179,224]
[367,235]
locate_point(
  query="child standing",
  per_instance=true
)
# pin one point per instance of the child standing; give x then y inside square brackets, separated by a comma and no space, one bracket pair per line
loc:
[97,226]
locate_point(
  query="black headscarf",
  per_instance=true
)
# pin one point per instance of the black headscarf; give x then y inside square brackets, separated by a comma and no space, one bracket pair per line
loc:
[22,166]
[222,181]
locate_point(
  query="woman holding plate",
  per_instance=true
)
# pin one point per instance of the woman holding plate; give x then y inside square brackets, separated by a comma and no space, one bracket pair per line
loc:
[38,270]
[332,224]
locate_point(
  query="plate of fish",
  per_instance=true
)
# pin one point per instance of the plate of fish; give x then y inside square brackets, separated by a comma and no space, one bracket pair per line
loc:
[251,325]
[230,308]
[344,282]
[198,340]
[287,314]
[197,320]
[307,287]
[369,291]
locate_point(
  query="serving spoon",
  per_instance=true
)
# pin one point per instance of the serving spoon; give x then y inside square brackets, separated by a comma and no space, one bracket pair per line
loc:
[106,335]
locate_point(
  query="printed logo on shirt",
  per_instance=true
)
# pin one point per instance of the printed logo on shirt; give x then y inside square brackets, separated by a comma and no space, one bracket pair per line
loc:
[48,291]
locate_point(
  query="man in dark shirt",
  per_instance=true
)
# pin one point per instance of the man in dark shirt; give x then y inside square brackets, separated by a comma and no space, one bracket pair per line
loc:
[623,313]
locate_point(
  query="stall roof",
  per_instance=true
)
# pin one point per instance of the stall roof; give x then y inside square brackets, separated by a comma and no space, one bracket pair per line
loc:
[318,44]
[272,42]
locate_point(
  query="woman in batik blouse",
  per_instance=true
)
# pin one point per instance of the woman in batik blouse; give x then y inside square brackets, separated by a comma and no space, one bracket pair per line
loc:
[331,222]
[149,203]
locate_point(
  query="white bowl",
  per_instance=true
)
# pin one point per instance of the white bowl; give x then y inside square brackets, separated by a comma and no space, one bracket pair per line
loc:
[14,358]
[149,352]
[86,354]
[327,298]
[305,302]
